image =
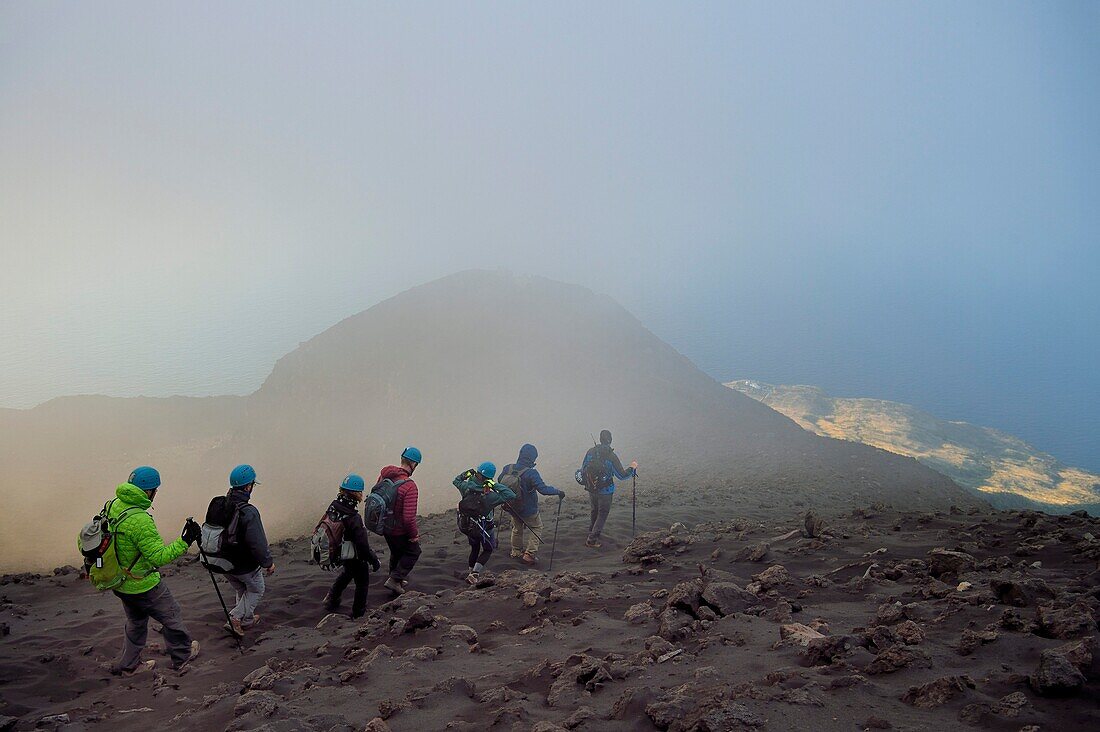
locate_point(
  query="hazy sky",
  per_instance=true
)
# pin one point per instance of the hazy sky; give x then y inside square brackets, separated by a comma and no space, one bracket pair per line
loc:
[898,200]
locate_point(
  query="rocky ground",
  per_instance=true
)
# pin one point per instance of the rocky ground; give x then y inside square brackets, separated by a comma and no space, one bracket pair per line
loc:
[870,619]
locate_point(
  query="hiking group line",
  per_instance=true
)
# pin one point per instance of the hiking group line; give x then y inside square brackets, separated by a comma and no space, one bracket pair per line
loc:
[122,548]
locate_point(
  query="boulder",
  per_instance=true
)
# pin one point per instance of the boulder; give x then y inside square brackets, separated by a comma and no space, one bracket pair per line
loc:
[728,598]
[1019,592]
[909,633]
[420,619]
[972,639]
[463,632]
[754,553]
[797,634]
[1056,675]
[1065,621]
[897,657]
[686,596]
[946,562]
[826,650]
[937,693]
[772,577]
[640,614]
[675,625]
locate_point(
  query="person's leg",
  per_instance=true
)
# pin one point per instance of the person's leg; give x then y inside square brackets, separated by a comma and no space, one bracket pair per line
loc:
[165,609]
[254,588]
[486,547]
[394,543]
[409,555]
[361,574]
[137,629]
[517,538]
[237,583]
[475,549]
[337,590]
[603,509]
[533,542]
[594,504]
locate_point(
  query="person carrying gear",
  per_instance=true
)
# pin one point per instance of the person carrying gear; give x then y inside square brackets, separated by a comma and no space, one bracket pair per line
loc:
[526,482]
[403,534]
[143,593]
[480,495]
[345,509]
[249,553]
[599,471]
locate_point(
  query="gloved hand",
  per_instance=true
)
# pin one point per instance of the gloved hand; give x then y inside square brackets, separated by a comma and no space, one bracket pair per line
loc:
[192,532]
[561,496]
[372,559]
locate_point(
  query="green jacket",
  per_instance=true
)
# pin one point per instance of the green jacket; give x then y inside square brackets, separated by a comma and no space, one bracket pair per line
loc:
[137,538]
[496,495]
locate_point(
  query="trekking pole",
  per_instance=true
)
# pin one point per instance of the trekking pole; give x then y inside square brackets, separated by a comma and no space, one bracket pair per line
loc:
[554,545]
[205,562]
[633,502]
[527,525]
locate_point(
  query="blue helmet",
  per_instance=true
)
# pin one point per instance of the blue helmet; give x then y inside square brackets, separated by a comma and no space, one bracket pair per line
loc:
[241,476]
[487,470]
[145,478]
[353,483]
[411,454]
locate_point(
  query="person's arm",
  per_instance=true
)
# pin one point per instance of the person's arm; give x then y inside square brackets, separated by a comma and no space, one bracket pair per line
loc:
[255,538]
[408,513]
[617,468]
[460,480]
[540,485]
[151,546]
[356,532]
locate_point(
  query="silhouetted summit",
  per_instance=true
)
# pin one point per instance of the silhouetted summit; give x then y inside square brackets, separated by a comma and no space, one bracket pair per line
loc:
[468,368]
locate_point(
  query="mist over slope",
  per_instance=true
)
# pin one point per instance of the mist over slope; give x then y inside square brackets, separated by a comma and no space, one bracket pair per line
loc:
[468,368]
[1004,469]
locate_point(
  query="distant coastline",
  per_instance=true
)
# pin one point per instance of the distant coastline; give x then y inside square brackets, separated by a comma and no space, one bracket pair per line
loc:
[999,467]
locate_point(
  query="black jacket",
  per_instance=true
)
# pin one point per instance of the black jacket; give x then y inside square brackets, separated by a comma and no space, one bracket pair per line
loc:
[355,531]
[251,550]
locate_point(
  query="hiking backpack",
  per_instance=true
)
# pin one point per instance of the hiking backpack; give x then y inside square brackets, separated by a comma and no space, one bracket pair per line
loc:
[471,510]
[99,546]
[594,473]
[220,535]
[511,478]
[378,507]
[327,546]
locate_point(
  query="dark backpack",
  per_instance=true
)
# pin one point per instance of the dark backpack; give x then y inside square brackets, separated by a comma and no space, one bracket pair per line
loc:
[471,510]
[220,535]
[378,507]
[595,473]
[327,546]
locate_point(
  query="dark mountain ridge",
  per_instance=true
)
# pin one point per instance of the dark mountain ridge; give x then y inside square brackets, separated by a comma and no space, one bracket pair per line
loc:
[468,368]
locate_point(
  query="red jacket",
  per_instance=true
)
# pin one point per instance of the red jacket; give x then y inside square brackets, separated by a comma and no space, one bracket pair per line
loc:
[404,508]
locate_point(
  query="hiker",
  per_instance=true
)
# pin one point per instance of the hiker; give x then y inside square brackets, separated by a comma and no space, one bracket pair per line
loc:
[345,509]
[402,534]
[480,495]
[141,550]
[600,469]
[248,552]
[526,482]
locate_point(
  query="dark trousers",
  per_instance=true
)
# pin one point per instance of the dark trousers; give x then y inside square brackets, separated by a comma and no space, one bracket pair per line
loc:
[359,572]
[403,556]
[480,550]
[159,605]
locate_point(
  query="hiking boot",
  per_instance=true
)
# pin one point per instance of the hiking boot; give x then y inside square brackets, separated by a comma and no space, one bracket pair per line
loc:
[593,543]
[473,578]
[394,586]
[516,555]
[233,627]
[251,623]
[186,665]
[141,668]
[529,558]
